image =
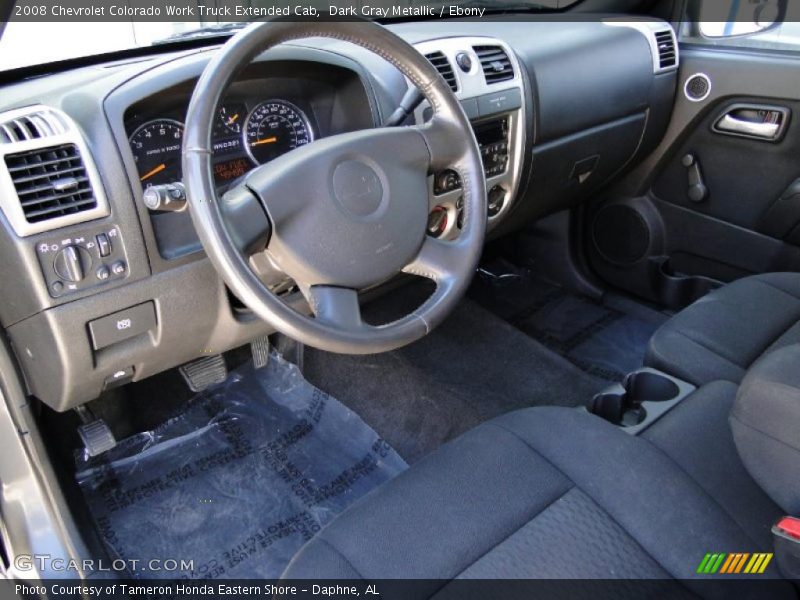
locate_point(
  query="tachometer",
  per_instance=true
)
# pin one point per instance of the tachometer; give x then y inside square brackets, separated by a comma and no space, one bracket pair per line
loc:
[156,147]
[273,128]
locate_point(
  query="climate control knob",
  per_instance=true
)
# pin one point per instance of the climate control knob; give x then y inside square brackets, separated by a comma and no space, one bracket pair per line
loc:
[72,263]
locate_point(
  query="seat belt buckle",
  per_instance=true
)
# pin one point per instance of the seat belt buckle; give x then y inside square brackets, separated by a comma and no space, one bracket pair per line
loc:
[786,534]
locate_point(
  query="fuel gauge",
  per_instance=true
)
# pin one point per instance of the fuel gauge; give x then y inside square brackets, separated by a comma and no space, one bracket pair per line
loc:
[230,118]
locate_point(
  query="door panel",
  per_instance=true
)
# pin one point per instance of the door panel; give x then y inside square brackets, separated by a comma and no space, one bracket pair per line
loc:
[743,176]
[709,207]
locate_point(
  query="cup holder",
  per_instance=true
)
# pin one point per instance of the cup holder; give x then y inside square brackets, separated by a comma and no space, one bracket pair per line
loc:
[623,404]
[618,408]
[675,289]
[646,386]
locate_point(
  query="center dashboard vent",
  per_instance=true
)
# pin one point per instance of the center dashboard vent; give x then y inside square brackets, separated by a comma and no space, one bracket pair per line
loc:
[50,182]
[495,63]
[667,54]
[442,64]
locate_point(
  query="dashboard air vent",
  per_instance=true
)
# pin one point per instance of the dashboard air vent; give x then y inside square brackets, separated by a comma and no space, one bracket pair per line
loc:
[495,63]
[50,182]
[32,126]
[667,56]
[442,64]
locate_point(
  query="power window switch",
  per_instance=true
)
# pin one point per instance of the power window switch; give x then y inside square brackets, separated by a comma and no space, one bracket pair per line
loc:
[104,245]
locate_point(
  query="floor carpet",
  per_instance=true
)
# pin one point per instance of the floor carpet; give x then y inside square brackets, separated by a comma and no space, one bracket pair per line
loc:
[606,339]
[473,367]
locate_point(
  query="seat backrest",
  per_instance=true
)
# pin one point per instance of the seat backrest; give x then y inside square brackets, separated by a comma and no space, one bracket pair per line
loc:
[765,420]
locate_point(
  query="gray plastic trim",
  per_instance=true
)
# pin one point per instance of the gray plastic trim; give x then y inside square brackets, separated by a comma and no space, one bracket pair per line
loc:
[62,130]
[649,29]
[36,519]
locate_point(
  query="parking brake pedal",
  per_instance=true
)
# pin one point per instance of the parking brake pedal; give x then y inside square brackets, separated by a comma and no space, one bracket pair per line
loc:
[204,372]
[95,433]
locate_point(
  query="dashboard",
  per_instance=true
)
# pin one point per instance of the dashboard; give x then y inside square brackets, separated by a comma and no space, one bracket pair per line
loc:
[108,290]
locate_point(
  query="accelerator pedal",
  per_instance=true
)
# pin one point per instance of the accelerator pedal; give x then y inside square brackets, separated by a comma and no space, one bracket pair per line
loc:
[204,372]
[259,347]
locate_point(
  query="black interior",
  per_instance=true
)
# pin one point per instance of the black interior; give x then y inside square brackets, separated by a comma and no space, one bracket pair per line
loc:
[631,296]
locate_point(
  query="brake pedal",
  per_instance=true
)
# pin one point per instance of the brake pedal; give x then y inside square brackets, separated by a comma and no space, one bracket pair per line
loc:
[96,437]
[259,347]
[290,349]
[204,372]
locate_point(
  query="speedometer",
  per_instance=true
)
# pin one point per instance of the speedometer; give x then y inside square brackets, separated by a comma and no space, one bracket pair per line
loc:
[273,128]
[156,147]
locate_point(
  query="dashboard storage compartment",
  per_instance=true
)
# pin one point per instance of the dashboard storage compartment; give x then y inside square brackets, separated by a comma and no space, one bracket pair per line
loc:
[567,170]
[640,399]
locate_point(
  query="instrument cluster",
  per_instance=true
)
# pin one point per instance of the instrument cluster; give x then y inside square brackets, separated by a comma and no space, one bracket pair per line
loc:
[244,137]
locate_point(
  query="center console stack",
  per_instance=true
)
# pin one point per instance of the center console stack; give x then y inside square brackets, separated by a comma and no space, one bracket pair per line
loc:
[485,76]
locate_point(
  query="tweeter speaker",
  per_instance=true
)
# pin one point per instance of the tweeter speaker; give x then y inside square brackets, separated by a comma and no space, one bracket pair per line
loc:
[697,87]
[620,234]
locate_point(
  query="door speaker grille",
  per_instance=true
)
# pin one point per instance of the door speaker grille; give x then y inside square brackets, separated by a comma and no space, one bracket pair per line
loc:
[621,234]
[698,87]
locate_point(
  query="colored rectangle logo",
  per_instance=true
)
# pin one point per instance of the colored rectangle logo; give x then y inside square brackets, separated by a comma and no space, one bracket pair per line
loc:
[724,563]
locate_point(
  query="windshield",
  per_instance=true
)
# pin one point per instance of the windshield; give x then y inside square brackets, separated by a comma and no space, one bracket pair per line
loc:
[60,34]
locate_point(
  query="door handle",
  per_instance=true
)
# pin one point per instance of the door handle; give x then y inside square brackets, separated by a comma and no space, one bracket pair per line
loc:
[731,124]
[766,123]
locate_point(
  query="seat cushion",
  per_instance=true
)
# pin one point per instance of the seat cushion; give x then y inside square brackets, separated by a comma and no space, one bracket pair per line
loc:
[722,334]
[539,493]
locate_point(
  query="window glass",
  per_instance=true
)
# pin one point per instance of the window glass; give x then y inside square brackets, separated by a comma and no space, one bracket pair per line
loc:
[744,23]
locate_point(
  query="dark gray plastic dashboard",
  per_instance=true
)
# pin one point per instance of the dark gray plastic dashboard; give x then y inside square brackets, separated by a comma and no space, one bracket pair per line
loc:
[592,103]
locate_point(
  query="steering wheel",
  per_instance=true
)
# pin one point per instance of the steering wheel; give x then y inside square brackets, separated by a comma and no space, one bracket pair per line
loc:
[342,213]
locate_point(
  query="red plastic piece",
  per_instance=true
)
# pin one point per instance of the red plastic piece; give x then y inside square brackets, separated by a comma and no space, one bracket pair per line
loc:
[790,526]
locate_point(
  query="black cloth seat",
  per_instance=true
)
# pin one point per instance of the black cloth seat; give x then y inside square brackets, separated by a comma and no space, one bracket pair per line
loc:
[559,493]
[723,333]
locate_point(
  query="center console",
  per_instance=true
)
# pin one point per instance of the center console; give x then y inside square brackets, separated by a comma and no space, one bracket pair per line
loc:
[485,76]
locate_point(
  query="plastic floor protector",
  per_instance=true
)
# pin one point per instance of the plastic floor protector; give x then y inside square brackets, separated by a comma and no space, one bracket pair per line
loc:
[239,481]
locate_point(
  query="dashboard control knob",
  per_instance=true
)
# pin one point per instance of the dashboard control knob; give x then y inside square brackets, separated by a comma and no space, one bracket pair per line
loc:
[118,268]
[446,181]
[464,62]
[72,263]
[165,197]
[103,273]
[496,199]
[103,244]
[437,221]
